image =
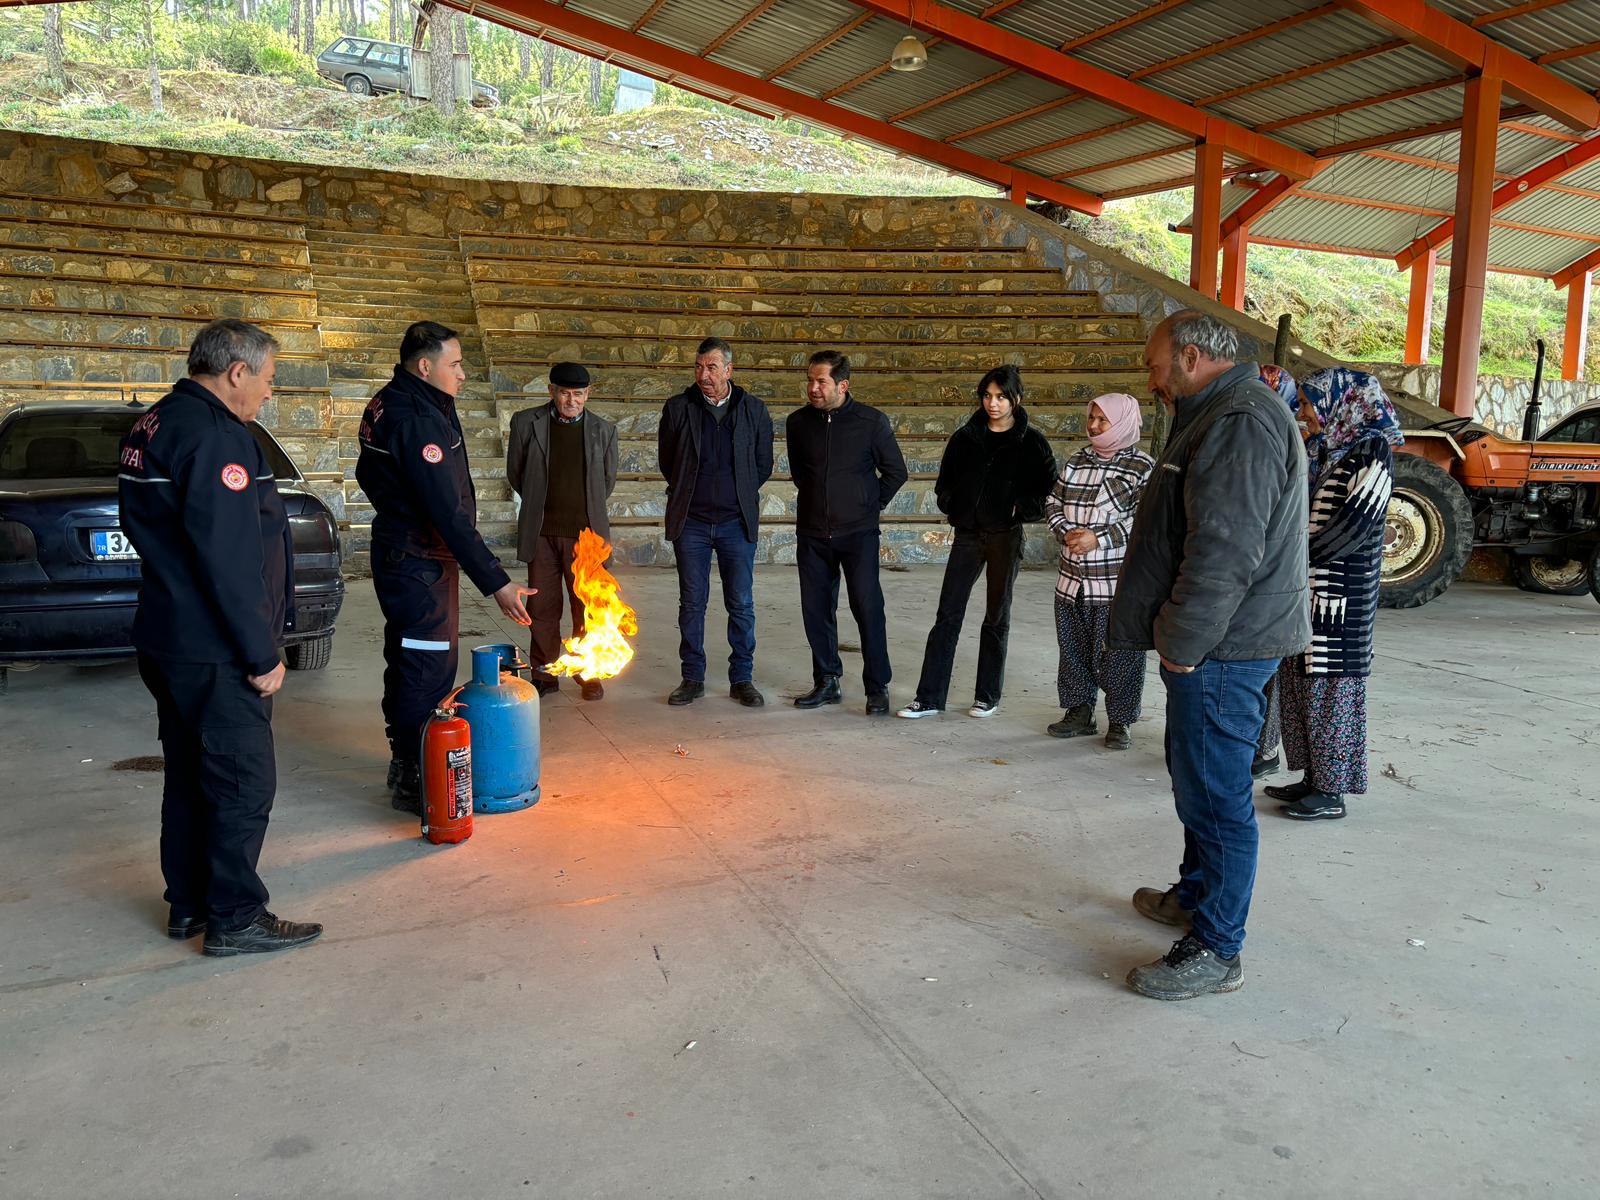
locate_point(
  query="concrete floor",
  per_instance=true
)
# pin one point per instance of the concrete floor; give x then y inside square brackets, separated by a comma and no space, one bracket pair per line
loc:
[776,954]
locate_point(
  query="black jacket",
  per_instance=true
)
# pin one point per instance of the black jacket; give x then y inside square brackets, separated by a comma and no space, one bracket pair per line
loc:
[993,481]
[528,469]
[846,467]
[1216,564]
[678,451]
[200,504]
[413,468]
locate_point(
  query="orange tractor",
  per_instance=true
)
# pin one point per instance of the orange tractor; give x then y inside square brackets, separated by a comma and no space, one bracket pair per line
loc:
[1459,486]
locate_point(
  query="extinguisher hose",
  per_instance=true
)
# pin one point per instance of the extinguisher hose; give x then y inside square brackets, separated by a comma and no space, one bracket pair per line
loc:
[422,750]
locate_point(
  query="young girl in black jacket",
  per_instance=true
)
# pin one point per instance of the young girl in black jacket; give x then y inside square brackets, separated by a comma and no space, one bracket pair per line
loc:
[994,477]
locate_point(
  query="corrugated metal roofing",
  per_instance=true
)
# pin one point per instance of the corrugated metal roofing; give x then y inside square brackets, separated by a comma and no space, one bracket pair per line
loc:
[1269,78]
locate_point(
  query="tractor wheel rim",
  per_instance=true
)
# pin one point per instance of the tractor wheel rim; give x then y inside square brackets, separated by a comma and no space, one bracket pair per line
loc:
[1556,573]
[1412,537]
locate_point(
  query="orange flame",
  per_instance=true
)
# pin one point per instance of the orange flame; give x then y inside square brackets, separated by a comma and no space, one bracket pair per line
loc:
[602,651]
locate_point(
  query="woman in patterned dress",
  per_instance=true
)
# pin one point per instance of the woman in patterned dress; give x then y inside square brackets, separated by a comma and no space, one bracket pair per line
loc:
[1090,510]
[1350,429]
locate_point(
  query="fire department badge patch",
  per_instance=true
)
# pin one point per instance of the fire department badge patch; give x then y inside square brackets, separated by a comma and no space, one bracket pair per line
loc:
[235,478]
[432,453]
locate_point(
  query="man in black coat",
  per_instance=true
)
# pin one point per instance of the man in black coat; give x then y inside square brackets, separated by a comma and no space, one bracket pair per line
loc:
[714,445]
[846,466]
[200,504]
[413,467]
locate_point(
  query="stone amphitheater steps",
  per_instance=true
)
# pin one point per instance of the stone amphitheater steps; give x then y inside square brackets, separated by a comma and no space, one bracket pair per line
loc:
[854,329]
[496,300]
[743,256]
[797,281]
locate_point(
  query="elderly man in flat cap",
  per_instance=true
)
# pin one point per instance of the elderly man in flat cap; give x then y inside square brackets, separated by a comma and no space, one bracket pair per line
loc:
[562,461]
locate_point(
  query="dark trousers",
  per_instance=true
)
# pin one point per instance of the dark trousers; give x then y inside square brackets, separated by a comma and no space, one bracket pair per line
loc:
[216,737]
[996,556]
[1214,716]
[1087,665]
[421,601]
[736,557]
[550,572]
[822,561]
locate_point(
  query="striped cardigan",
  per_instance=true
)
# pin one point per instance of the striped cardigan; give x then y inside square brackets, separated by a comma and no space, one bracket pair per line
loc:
[1348,505]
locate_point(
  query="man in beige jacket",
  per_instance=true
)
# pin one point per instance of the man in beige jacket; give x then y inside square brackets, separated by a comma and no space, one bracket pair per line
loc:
[562,461]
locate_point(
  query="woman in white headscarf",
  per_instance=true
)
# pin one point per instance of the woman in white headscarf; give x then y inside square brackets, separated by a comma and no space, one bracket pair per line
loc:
[1090,510]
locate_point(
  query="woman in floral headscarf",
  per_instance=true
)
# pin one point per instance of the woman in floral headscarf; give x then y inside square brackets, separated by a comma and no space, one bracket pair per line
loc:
[1350,429]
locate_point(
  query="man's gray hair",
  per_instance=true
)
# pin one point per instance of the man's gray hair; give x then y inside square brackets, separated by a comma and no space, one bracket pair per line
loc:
[1215,339]
[222,343]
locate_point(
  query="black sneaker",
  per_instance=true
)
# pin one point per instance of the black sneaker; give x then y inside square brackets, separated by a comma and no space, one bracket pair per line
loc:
[746,693]
[687,692]
[1162,906]
[1075,722]
[262,936]
[1189,969]
[1289,792]
[1117,736]
[826,691]
[1264,766]
[405,786]
[1315,806]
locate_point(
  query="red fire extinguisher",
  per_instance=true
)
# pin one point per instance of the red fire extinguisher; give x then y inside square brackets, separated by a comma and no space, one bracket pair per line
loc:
[446,776]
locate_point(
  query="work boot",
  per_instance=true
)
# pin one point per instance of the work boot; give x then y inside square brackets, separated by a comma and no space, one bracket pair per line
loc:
[181,928]
[1189,969]
[1315,806]
[545,685]
[262,936]
[1117,737]
[405,786]
[1075,722]
[1162,907]
[878,704]
[1264,766]
[1289,792]
[746,694]
[826,691]
[591,689]
[687,692]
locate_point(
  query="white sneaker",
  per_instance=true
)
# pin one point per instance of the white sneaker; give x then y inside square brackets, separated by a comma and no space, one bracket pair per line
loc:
[914,710]
[980,709]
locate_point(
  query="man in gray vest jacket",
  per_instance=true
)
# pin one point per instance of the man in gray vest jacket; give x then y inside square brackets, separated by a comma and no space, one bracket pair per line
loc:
[562,461]
[1215,582]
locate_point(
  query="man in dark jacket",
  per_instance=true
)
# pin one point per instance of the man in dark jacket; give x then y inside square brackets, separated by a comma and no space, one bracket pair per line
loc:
[562,461]
[1215,582]
[413,468]
[714,445]
[200,504]
[846,467]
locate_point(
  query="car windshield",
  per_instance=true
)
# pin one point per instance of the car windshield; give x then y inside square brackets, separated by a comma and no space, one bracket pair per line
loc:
[88,445]
[64,445]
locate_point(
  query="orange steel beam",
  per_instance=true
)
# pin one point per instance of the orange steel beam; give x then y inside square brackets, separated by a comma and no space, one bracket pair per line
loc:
[905,113]
[1044,62]
[1334,110]
[1574,270]
[1299,73]
[1128,160]
[1419,310]
[1415,133]
[1516,10]
[1562,55]
[646,17]
[1554,135]
[1073,139]
[872,73]
[1575,347]
[1204,244]
[1397,206]
[1167,185]
[1269,197]
[1507,193]
[658,59]
[1465,48]
[1469,248]
[1013,118]
[820,44]
[1235,248]
[733,30]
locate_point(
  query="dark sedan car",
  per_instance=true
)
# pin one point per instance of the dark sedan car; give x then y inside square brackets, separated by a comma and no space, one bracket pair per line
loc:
[69,578]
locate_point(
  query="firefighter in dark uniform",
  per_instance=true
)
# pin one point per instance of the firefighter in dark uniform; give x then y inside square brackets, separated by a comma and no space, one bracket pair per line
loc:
[413,468]
[199,503]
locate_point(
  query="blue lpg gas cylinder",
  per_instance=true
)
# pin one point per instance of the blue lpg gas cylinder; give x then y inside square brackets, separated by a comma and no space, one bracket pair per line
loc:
[503,713]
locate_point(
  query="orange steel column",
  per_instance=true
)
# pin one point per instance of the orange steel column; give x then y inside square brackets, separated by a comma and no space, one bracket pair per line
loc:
[1235,249]
[1577,340]
[1019,193]
[1419,313]
[1469,246]
[1207,222]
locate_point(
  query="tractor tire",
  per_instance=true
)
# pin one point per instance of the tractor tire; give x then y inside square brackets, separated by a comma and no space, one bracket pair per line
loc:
[1427,537]
[1550,574]
[310,655]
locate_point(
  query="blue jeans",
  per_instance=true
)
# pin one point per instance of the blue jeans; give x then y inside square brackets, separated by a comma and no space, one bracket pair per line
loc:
[736,558]
[1214,716]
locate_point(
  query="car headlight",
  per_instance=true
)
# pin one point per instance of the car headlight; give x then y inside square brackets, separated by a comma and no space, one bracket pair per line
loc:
[17,543]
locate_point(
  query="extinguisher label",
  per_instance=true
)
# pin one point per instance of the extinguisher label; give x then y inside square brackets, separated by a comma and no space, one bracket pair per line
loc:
[459,764]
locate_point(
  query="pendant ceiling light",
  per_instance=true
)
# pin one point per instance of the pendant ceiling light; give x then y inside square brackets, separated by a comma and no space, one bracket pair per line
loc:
[909,54]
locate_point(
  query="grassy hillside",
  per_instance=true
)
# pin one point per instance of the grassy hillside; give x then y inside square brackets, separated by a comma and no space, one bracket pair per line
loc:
[243,87]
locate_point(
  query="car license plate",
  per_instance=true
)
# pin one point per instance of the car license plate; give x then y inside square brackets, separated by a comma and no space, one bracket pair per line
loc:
[111,544]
